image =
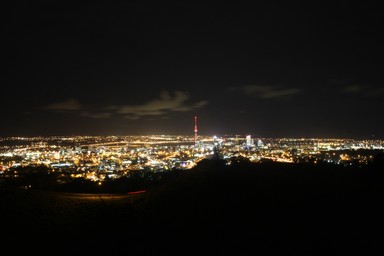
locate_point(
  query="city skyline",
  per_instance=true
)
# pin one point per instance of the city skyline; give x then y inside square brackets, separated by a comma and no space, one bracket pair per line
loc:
[265,69]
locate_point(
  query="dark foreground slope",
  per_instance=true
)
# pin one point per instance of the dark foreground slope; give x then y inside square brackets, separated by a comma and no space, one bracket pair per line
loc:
[275,208]
[242,209]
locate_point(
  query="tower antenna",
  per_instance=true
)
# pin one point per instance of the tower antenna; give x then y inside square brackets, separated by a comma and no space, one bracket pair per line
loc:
[195,130]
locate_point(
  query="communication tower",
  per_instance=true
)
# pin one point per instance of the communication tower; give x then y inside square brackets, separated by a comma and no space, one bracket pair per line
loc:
[195,130]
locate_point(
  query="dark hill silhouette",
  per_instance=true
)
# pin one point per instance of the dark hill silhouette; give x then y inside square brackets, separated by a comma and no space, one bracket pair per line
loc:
[300,209]
[214,209]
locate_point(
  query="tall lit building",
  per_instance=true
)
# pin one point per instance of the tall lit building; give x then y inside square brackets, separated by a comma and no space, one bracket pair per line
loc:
[249,141]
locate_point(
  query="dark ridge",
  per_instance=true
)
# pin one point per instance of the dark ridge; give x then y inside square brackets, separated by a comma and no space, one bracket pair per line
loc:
[243,208]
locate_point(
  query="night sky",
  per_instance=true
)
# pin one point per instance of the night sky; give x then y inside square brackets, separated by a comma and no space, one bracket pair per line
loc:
[270,69]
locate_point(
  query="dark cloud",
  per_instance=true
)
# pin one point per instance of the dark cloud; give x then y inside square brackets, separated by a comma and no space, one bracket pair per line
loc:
[267,92]
[96,115]
[67,105]
[375,93]
[364,91]
[167,102]
[353,88]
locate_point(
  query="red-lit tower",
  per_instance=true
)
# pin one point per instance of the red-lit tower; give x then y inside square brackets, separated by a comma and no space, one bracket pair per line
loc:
[195,129]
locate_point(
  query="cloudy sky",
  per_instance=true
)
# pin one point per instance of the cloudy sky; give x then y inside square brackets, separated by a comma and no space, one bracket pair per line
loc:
[270,69]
